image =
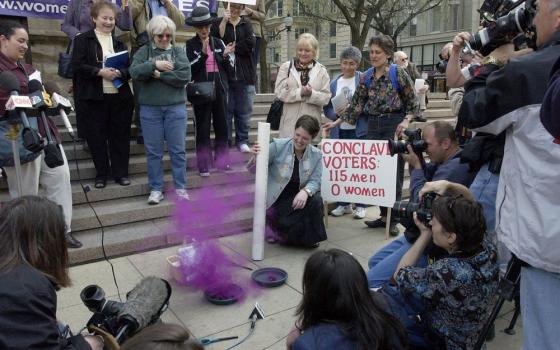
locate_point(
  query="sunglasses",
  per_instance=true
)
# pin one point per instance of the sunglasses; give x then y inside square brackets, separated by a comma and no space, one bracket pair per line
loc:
[161,36]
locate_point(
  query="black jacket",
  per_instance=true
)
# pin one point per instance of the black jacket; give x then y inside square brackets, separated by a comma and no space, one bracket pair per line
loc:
[28,313]
[198,58]
[244,38]
[87,59]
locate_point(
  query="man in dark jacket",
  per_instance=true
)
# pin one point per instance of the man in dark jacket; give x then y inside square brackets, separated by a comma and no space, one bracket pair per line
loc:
[509,99]
[235,30]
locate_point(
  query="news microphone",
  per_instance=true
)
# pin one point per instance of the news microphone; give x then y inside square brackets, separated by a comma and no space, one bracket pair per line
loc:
[144,305]
[31,138]
[41,101]
[61,103]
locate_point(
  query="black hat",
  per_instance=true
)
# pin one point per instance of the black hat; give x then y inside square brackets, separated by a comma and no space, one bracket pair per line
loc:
[199,17]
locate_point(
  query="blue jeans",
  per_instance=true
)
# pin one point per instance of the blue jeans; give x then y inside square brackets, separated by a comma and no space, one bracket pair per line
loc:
[348,134]
[540,308]
[240,108]
[382,265]
[165,123]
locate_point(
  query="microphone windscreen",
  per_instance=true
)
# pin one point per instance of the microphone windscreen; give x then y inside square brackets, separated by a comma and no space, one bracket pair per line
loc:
[34,86]
[9,82]
[146,300]
[52,87]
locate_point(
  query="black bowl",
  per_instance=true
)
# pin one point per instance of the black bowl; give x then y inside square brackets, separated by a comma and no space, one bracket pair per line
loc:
[223,294]
[269,277]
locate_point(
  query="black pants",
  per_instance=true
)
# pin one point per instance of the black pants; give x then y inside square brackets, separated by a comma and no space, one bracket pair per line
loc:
[383,128]
[107,123]
[203,114]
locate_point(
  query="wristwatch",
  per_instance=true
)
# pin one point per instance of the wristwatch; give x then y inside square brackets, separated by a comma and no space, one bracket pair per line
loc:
[308,191]
[492,60]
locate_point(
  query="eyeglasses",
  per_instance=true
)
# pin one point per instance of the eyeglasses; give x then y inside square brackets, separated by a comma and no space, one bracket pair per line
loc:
[161,36]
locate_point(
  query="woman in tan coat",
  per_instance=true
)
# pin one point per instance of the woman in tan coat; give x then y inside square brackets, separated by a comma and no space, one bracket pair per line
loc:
[302,84]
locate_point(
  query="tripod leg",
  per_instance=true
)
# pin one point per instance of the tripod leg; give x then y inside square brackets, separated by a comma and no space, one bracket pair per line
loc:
[510,329]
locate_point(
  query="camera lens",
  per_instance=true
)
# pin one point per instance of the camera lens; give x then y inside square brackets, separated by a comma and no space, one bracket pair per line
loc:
[93,297]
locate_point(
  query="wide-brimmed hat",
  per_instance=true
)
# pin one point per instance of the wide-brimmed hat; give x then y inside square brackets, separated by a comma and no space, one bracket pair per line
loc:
[199,17]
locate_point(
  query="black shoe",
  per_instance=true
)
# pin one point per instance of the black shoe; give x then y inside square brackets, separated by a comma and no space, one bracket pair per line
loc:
[86,148]
[100,183]
[393,230]
[419,118]
[140,140]
[375,223]
[123,181]
[72,242]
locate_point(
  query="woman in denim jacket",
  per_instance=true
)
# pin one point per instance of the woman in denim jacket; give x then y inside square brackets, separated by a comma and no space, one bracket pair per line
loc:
[295,208]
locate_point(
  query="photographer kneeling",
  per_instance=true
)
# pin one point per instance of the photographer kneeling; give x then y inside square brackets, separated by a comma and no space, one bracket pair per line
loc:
[33,266]
[440,144]
[445,304]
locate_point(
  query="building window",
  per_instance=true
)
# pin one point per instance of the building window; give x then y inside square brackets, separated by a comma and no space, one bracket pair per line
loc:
[436,19]
[300,31]
[454,16]
[332,50]
[332,29]
[276,9]
[276,54]
[413,27]
[297,8]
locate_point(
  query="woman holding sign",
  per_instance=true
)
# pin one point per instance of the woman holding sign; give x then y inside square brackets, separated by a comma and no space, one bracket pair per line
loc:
[295,207]
[104,95]
[386,96]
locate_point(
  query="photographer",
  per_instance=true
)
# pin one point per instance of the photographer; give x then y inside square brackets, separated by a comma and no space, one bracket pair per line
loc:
[509,99]
[445,304]
[33,266]
[444,154]
[34,171]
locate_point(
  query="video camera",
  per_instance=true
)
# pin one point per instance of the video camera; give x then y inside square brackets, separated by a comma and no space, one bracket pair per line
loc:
[423,209]
[502,23]
[144,305]
[414,139]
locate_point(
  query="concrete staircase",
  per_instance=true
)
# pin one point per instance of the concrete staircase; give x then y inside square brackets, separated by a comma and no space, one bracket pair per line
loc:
[221,204]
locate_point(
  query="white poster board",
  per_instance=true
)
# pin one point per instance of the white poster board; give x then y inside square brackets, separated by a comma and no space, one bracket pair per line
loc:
[358,171]
[244,2]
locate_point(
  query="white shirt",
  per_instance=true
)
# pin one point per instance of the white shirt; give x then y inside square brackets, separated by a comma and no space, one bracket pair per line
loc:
[346,86]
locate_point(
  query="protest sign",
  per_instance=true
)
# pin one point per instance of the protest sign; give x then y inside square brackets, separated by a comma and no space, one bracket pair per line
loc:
[55,9]
[358,171]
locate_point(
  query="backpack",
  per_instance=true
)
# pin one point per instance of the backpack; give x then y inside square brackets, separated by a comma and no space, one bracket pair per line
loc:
[392,75]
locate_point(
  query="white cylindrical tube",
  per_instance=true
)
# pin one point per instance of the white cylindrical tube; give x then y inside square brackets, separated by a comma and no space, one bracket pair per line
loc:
[261,178]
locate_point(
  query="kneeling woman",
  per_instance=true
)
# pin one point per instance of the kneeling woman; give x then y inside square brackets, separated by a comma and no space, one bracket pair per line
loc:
[295,208]
[452,296]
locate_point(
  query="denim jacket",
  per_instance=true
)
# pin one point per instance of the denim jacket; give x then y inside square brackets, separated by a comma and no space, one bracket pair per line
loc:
[281,166]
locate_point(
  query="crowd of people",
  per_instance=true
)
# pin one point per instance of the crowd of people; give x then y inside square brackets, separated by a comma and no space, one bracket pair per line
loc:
[432,287]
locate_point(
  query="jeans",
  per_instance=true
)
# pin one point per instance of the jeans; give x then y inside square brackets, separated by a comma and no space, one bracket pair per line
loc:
[540,308]
[348,134]
[240,108]
[165,123]
[382,265]
[383,128]
[484,189]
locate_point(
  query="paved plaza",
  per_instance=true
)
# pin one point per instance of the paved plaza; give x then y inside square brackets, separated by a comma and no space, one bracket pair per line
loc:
[189,308]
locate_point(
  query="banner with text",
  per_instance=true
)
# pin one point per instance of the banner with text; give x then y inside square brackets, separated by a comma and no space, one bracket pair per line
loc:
[358,171]
[55,9]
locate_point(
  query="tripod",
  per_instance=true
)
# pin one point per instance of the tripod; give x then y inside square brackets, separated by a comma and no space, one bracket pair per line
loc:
[508,289]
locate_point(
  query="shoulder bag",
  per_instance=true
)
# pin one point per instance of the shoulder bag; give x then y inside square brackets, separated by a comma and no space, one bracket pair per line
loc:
[275,112]
[65,69]
[203,92]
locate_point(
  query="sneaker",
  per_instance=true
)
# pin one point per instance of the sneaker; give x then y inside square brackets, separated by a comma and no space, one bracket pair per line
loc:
[341,210]
[204,173]
[244,148]
[182,195]
[155,197]
[360,213]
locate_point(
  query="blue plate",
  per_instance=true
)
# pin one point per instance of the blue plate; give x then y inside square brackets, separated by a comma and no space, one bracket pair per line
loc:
[269,277]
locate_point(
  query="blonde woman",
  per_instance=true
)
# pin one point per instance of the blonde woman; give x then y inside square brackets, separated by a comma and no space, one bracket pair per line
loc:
[302,84]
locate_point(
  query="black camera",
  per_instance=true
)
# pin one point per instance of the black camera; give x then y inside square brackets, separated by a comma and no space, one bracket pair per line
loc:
[441,66]
[423,209]
[502,24]
[105,312]
[414,139]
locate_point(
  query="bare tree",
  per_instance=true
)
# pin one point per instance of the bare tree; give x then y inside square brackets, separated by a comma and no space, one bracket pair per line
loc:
[265,74]
[386,16]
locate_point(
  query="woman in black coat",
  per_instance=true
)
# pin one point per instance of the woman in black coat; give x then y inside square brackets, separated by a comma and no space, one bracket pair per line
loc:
[209,59]
[107,106]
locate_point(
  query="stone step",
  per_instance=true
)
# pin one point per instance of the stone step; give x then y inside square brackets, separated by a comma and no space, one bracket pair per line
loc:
[437,113]
[131,238]
[134,209]
[437,104]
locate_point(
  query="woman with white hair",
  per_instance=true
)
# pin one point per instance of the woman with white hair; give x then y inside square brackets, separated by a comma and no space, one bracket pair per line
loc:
[302,84]
[162,70]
